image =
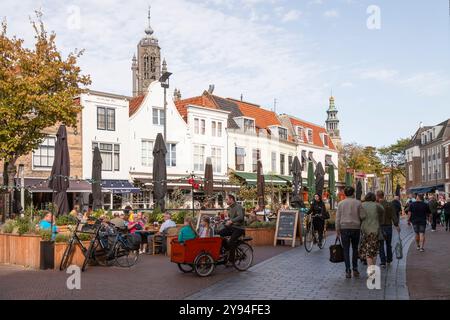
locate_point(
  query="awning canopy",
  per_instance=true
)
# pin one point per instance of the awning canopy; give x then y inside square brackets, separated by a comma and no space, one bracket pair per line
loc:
[427,189]
[41,185]
[250,178]
[119,186]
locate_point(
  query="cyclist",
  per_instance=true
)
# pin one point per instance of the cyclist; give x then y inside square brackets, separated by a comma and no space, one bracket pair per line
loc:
[319,215]
[233,226]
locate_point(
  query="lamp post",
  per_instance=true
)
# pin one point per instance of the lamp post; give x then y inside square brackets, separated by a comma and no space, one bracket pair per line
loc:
[164,79]
[22,185]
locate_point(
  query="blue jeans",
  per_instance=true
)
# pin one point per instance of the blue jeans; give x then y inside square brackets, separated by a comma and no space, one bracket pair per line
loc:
[387,233]
[350,237]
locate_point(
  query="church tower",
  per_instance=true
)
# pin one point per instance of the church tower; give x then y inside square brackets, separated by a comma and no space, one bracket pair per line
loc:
[332,124]
[146,67]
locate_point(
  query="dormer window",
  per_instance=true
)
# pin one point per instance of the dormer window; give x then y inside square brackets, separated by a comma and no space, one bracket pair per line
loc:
[282,133]
[300,132]
[325,140]
[249,125]
[310,136]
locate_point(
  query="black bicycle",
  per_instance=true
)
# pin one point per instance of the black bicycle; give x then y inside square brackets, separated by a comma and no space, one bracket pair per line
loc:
[311,235]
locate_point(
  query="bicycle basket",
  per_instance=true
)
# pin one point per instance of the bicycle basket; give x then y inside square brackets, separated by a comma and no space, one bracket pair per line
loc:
[133,241]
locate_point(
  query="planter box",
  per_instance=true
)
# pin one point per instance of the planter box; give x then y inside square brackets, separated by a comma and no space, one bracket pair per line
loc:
[261,236]
[24,250]
[77,257]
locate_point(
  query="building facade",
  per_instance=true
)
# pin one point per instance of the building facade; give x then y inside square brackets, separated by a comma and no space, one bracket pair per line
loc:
[427,159]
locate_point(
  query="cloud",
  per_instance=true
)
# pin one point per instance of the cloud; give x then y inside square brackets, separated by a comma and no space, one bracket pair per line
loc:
[291,15]
[347,85]
[331,14]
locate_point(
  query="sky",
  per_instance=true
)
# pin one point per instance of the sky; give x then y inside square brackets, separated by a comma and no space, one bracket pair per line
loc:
[386,62]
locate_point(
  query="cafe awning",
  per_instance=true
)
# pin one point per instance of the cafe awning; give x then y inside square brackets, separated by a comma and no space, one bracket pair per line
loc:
[119,186]
[427,189]
[250,178]
[41,185]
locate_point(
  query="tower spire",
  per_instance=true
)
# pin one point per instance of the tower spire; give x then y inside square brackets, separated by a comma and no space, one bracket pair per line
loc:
[149,30]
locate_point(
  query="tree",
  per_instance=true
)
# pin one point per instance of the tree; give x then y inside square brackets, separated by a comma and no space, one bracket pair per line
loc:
[37,90]
[394,157]
[360,158]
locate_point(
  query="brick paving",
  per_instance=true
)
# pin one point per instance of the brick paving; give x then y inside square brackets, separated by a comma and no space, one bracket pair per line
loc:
[428,272]
[297,274]
[153,277]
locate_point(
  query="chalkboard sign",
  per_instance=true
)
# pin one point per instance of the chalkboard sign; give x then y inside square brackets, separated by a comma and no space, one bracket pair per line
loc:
[287,226]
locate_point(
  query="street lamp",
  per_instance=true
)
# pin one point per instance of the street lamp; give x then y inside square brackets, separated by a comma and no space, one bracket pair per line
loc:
[22,185]
[164,79]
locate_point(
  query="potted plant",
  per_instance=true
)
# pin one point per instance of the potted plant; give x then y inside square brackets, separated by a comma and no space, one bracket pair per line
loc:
[262,233]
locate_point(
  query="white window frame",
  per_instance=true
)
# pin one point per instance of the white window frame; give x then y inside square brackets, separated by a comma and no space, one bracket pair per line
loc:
[149,155]
[33,154]
[159,117]
[199,154]
[273,161]
[447,170]
[300,132]
[216,159]
[236,156]
[171,161]
[410,172]
[219,129]
[113,154]
[214,128]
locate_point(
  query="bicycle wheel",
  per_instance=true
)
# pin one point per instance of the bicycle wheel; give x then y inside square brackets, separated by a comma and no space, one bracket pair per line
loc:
[125,257]
[204,265]
[99,255]
[88,255]
[309,239]
[185,268]
[243,257]
[66,256]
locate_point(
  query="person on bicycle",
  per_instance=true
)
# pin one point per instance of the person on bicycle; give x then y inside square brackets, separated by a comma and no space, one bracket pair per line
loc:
[234,227]
[318,213]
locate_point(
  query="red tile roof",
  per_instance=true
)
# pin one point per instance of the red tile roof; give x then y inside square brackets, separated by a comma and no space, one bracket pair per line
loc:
[135,103]
[263,118]
[317,130]
[202,101]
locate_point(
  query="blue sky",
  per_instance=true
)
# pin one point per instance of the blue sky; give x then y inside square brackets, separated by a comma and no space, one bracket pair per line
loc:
[385,81]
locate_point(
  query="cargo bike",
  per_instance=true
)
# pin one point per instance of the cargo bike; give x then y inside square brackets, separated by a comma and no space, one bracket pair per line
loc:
[202,255]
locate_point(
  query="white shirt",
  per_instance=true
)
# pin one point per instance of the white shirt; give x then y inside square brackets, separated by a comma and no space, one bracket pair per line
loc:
[167,224]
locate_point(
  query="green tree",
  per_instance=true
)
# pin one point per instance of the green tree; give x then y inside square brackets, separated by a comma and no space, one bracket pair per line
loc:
[360,158]
[37,90]
[394,157]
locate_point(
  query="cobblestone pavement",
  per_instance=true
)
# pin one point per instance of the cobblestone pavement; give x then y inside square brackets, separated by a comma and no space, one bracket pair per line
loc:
[153,277]
[297,274]
[428,272]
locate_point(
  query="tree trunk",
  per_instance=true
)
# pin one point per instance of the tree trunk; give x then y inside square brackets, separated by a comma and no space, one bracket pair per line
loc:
[9,172]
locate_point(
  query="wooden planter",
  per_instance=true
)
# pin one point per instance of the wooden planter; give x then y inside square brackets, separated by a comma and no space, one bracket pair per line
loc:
[261,236]
[24,250]
[77,257]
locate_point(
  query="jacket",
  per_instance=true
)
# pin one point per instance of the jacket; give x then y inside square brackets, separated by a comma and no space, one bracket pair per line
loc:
[370,214]
[433,204]
[317,208]
[388,216]
[236,214]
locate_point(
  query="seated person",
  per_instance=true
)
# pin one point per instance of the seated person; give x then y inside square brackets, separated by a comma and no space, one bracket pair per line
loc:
[138,226]
[161,235]
[118,220]
[205,230]
[187,232]
[46,223]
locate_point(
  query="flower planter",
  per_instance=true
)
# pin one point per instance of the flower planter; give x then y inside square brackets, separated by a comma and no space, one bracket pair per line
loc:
[261,236]
[77,256]
[23,250]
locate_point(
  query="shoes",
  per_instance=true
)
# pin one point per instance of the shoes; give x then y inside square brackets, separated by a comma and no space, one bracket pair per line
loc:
[433,230]
[348,275]
[356,273]
[418,248]
[422,250]
[383,265]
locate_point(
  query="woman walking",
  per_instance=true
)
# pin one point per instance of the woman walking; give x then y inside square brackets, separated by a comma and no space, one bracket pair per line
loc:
[370,229]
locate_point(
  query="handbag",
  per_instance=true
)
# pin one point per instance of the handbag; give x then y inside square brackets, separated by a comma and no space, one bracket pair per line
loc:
[399,249]
[337,251]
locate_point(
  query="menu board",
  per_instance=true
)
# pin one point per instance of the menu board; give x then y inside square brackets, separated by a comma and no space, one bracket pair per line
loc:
[287,226]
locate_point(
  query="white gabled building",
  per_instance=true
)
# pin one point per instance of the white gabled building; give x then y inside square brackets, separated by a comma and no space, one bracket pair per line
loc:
[105,124]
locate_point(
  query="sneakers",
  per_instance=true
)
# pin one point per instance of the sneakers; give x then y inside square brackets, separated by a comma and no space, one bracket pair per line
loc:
[422,250]
[433,230]
[418,248]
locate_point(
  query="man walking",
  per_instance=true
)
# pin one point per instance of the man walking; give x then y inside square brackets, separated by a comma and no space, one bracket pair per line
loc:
[234,226]
[348,228]
[433,204]
[387,218]
[446,209]
[418,215]
[396,203]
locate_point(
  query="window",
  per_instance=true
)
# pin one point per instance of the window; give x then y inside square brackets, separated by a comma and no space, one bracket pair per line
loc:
[240,159]
[249,125]
[310,136]
[274,162]
[300,133]
[106,119]
[44,155]
[158,116]
[153,64]
[282,163]
[199,158]
[147,153]
[256,155]
[410,172]
[447,151]
[325,140]
[282,133]
[196,126]
[447,171]
[203,127]
[171,155]
[216,159]
[219,129]
[146,67]
[290,160]
[110,154]
[213,128]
